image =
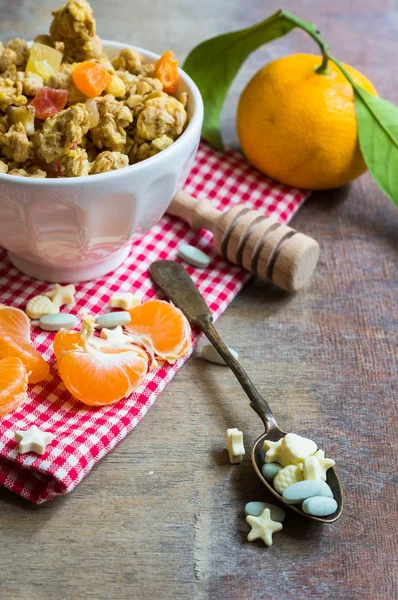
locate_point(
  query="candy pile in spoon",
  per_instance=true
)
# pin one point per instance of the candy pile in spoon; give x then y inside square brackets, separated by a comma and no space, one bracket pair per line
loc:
[297,470]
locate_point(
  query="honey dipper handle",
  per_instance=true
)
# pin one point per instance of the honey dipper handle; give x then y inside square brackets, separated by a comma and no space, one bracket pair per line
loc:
[199,214]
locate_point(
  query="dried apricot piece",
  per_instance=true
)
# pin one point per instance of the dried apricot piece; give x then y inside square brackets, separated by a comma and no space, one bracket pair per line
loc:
[91,78]
[166,70]
[13,384]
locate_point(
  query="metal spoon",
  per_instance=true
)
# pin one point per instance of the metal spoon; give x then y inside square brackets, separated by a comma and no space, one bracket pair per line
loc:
[173,279]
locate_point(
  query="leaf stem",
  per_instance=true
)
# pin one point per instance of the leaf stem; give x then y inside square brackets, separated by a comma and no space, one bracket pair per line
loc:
[312,31]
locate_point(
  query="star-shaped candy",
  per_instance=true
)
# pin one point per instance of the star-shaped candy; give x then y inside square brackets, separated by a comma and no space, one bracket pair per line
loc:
[33,440]
[124,300]
[115,336]
[62,294]
[324,463]
[263,527]
[235,445]
[275,453]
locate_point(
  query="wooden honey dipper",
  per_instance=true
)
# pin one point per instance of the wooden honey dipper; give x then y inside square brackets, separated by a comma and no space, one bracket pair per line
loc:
[244,236]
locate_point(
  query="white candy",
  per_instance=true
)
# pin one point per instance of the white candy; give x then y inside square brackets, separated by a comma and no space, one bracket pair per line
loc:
[62,294]
[287,476]
[263,527]
[193,256]
[297,448]
[115,336]
[210,354]
[112,320]
[124,300]
[33,440]
[312,469]
[235,445]
[324,463]
[275,453]
[58,321]
[39,306]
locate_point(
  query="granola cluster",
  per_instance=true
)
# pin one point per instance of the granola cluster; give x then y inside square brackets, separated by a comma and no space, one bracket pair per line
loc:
[131,120]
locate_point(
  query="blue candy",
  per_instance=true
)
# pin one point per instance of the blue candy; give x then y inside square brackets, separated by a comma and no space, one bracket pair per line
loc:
[319,506]
[270,470]
[298,492]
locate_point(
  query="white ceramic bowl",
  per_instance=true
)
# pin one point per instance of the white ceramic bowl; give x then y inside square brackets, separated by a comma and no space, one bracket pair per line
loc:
[80,228]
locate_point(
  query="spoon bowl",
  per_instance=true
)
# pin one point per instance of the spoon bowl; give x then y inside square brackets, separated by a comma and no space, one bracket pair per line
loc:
[257,457]
[173,279]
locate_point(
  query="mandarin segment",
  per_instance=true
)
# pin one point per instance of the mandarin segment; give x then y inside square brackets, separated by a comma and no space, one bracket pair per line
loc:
[66,340]
[162,328]
[98,374]
[15,342]
[14,322]
[13,384]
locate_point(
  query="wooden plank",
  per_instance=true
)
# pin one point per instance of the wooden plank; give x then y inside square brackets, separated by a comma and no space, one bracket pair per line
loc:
[162,515]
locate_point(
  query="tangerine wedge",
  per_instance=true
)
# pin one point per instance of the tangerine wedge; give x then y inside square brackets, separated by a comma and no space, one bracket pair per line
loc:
[15,342]
[161,328]
[98,375]
[13,384]
[66,340]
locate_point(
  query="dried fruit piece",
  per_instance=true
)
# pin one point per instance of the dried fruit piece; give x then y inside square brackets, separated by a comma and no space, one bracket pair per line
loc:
[91,78]
[49,102]
[43,61]
[24,115]
[13,384]
[166,69]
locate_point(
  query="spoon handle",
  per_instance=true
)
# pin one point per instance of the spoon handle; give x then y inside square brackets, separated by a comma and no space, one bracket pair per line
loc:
[173,279]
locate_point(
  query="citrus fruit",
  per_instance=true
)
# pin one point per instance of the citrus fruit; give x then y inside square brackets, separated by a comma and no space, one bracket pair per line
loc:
[98,374]
[298,126]
[13,384]
[15,342]
[161,328]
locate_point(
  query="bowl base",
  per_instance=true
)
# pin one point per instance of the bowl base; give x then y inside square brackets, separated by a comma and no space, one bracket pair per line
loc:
[85,272]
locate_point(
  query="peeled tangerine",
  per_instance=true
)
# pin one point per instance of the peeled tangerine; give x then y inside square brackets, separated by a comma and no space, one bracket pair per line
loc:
[15,342]
[95,371]
[13,384]
[99,372]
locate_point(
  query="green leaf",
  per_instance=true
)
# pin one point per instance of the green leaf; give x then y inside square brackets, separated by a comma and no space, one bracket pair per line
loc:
[378,138]
[214,63]
[377,121]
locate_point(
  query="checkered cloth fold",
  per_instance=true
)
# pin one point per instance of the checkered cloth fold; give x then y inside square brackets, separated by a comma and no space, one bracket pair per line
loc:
[84,435]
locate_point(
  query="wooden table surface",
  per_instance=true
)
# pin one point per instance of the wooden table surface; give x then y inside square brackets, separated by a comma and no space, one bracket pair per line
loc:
[162,515]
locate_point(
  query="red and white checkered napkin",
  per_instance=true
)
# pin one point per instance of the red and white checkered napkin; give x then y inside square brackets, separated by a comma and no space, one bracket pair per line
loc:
[82,435]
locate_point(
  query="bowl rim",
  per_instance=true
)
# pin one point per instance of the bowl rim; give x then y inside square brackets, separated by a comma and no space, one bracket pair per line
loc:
[195,121]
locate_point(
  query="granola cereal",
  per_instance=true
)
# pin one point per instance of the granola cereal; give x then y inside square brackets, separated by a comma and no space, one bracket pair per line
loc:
[128,119]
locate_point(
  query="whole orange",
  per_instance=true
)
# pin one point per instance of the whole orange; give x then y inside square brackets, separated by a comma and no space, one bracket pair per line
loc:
[298,126]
